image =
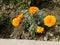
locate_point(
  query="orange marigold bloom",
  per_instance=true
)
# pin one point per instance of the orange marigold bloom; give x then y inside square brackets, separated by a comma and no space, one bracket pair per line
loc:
[40,29]
[50,20]
[21,16]
[16,22]
[33,10]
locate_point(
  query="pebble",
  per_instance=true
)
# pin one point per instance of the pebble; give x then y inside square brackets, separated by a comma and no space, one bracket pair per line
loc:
[51,34]
[45,38]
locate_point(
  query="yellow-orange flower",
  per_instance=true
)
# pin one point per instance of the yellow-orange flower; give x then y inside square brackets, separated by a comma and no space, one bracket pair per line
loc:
[16,22]
[39,29]
[21,16]
[50,20]
[33,10]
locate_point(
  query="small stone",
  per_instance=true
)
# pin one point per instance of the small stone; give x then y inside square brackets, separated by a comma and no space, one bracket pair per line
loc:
[45,38]
[56,25]
[51,34]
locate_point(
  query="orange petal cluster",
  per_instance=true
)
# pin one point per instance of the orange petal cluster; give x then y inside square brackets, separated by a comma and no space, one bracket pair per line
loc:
[50,20]
[33,10]
[16,21]
[39,29]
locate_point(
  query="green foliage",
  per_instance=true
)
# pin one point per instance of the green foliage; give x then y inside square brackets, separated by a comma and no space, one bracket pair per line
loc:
[11,1]
[32,29]
[58,21]
[5,1]
[38,0]
[32,21]
[23,4]
[2,19]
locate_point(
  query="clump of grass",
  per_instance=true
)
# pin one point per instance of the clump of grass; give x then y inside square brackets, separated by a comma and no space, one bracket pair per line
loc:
[21,3]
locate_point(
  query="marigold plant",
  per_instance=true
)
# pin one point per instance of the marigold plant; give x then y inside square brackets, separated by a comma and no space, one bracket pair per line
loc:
[33,10]
[39,29]
[35,21]
[50,20]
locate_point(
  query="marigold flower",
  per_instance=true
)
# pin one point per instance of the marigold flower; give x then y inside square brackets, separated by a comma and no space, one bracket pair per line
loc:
[21,16]
[16,22]
[33,10]
[50,20]
[40,29]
